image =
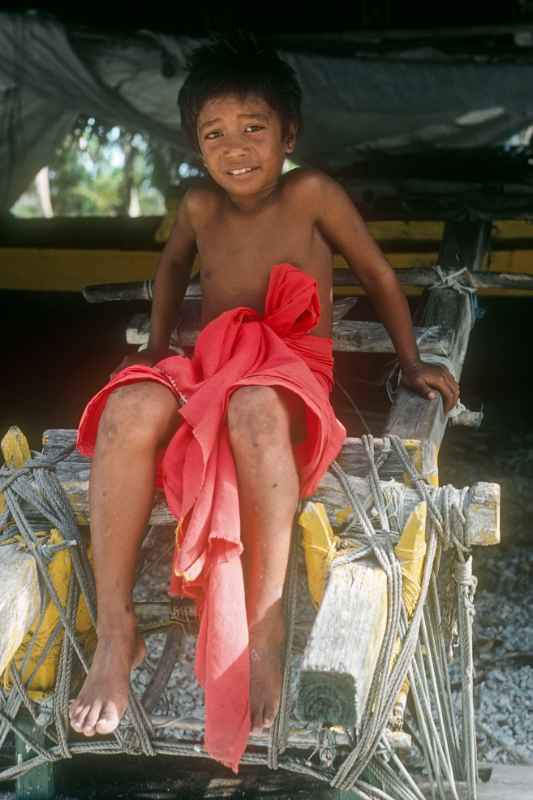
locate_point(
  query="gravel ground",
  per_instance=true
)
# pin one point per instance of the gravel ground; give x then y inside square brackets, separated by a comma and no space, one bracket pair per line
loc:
[504,599]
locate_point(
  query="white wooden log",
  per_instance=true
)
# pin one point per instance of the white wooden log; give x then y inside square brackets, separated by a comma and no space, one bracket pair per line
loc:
[20,599]
[344,645]
[422,277]
[348,335]
[482,503]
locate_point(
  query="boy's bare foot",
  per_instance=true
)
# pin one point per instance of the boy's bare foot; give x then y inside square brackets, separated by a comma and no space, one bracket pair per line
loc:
[103,698]
[266,652]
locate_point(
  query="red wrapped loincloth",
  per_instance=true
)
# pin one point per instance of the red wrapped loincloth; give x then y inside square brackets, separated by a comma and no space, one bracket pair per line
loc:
[197,472]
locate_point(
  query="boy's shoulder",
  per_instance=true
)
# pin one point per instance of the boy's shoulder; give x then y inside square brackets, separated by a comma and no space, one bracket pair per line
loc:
[308,179]
[200,198]
[307,185]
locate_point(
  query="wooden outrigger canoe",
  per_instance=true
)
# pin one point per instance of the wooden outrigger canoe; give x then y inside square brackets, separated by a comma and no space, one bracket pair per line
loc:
[339,661]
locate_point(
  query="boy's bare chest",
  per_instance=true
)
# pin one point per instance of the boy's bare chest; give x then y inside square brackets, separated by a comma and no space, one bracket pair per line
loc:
[236,260]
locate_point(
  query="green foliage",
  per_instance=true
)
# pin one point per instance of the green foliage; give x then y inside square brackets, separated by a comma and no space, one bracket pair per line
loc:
[103,171]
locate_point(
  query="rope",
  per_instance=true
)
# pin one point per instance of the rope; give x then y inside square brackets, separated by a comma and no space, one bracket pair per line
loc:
[421,656]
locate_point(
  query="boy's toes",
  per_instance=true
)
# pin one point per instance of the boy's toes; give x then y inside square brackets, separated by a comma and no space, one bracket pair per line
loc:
[257,720]
[92,718]
[77,716]
[109,719]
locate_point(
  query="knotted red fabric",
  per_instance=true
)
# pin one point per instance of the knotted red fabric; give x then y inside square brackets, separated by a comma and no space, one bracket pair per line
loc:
[197,472]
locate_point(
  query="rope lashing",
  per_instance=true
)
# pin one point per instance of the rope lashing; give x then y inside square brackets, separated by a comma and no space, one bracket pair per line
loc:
[372,530]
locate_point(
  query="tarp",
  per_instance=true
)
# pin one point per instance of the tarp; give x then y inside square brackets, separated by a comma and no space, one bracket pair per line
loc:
[415,101]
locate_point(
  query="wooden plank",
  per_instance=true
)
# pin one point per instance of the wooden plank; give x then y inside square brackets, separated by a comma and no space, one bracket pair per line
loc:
[344,644]
[412,416]
[352,457]
[348,335]
[422,277]
[300,737]
[482,520]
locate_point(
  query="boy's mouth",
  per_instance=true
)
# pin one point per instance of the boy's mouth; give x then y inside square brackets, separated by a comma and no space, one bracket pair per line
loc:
[241,171]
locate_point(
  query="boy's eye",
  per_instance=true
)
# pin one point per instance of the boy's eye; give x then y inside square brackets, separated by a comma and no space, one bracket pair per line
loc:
[212,134]
[254,127]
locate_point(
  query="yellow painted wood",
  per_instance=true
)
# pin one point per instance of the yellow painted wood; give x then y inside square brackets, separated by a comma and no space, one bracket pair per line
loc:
[319,543]
[512,229]
[46,269]
[411,553]
[69,270]
[428,470]
[15,452]
[43,682]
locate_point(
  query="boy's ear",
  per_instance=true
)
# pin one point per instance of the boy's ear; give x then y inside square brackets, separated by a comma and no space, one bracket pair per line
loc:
[290,138]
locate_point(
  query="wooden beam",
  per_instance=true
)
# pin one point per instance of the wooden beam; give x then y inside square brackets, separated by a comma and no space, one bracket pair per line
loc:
[344,644]
[422,277]
[348,335]
[300,737]
[466,243]
[412,416]
[74,473]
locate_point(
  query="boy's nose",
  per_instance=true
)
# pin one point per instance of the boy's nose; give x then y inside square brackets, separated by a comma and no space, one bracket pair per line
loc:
[235,148]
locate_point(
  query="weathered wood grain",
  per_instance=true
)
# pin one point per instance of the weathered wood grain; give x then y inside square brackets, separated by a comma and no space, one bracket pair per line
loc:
[422,277]
[74,473]
[348,335]
[413,416]
[344,644]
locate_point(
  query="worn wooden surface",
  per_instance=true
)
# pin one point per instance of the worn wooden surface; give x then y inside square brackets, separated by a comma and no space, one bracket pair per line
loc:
[348,335]
[422,277]
[74,473]
[344,644]
[413,416]
[352,457]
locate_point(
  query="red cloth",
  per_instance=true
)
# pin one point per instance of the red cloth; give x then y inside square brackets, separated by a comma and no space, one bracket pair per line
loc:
[197,472]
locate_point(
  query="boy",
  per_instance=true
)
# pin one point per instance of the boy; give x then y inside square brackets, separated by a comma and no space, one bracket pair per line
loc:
[266,243]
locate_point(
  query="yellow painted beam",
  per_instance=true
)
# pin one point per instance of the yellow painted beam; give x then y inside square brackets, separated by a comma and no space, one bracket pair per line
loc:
[69,270]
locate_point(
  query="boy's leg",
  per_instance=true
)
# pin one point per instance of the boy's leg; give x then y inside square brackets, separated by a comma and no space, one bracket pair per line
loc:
[138,421]
[259,427]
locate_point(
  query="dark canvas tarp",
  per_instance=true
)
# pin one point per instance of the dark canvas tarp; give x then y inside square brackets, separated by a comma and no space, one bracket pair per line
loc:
[49,75]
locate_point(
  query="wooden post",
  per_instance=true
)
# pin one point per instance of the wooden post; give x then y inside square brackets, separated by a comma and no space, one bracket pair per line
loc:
[344,644]
[346,638]
[412,416]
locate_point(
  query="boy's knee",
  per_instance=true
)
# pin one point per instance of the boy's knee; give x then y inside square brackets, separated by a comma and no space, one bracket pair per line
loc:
[136,413]
[258,410]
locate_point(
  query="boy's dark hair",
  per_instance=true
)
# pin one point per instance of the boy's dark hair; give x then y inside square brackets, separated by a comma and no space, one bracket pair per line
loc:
[238,64]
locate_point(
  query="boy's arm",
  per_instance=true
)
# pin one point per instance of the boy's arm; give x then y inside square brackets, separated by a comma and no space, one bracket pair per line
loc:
[172,277]
[343,226]
[171,280]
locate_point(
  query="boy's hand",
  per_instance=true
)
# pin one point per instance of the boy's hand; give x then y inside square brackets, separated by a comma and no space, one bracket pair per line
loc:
[143,357]
[424,378]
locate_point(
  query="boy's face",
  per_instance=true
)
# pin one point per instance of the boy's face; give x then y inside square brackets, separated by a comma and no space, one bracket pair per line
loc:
[241,143]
